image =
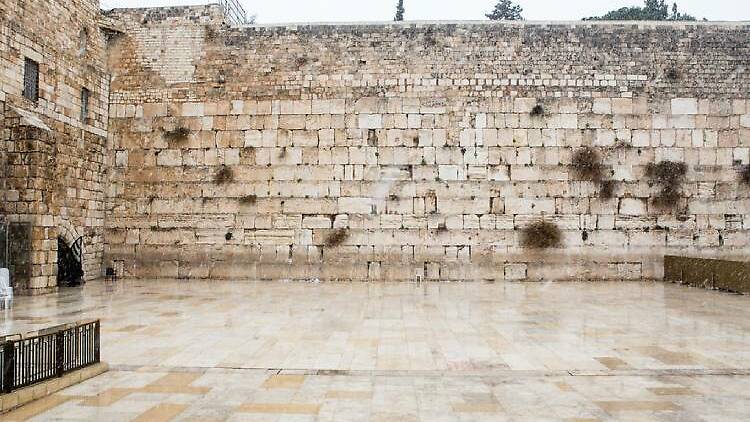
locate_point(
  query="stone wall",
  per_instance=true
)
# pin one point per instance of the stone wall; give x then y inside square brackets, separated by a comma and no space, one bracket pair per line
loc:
[53,159]
[383,152]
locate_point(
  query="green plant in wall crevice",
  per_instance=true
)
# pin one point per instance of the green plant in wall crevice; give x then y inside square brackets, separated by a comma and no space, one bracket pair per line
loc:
[541,235]
[669,176]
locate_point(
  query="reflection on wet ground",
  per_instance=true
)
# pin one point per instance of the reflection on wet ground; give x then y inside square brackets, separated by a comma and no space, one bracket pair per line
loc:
[354,351]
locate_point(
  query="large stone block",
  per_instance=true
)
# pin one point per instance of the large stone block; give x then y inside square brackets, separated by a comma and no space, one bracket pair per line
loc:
[354,205]
[684,106]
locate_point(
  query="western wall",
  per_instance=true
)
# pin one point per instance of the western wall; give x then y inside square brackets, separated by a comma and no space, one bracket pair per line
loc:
[396,151]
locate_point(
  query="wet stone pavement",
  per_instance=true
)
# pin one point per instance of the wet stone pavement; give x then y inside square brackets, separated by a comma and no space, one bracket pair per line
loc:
[244,351]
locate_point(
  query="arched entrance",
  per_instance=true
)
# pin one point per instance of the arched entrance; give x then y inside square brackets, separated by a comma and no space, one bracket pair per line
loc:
[69,265]
[69,256]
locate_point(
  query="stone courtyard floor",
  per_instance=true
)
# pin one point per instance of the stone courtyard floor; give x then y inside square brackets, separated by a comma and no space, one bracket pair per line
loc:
[242,351]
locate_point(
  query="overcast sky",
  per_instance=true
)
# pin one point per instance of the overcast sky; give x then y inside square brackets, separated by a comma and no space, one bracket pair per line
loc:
[271,11]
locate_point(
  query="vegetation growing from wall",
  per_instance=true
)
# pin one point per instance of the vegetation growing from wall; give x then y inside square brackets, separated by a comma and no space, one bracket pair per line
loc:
[587,163]
[607,189]
[301,61]
[224,175]
[177,134]
[337,238]
[745,175]
[541,235]
[673,74]
[669,176]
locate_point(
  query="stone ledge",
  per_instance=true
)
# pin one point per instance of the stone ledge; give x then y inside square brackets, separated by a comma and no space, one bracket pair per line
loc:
[28,394]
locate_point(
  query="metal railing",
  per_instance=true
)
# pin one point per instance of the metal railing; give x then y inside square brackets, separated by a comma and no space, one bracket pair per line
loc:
[47,354]
[234,13]
[77,248]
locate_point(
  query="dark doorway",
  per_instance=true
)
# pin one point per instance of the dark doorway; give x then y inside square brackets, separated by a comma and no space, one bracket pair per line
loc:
[17,257]
[69,266]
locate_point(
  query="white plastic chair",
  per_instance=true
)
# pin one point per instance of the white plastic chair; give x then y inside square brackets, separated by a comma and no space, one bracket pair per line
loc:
[5,289]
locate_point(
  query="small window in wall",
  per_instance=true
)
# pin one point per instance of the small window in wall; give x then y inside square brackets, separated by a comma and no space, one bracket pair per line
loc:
[83,41]
[85,94]
[31,80]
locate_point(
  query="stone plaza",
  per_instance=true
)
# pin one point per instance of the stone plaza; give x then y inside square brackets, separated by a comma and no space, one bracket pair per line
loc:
[276,351]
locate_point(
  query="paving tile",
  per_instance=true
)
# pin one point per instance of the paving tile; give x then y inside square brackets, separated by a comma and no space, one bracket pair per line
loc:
[231,352]
[348,395]
[281,408]
[107,397]
[163,412]
[35,408]
[636,406]
[284,381]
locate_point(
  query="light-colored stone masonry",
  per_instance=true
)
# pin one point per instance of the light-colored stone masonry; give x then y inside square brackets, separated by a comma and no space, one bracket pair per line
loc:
[423,142]
[53,169]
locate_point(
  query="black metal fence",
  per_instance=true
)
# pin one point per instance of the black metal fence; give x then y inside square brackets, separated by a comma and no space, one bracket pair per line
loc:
[47,354]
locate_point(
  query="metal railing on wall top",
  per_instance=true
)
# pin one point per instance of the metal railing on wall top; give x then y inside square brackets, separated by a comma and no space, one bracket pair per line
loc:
[234,13]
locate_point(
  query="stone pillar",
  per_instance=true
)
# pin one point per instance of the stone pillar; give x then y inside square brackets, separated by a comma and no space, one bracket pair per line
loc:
[29,189]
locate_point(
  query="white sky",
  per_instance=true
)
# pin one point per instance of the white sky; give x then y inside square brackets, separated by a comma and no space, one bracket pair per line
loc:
[271,11]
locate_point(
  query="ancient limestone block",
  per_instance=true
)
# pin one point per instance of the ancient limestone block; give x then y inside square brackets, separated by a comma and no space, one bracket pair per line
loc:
[193,109]
[354,205]
[684,106]
[515,271]
[169,157]
[529,206]
[371,121]
[602,106]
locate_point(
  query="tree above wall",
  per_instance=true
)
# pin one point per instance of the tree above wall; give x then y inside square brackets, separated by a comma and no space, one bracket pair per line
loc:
[506,10]
[652,10]
[399,11]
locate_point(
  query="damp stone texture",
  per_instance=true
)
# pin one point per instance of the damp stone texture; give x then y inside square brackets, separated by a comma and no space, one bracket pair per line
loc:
[391,151]
[447,151]
[52,153]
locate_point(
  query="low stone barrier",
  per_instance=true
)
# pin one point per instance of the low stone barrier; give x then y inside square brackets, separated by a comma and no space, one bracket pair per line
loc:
[718,274]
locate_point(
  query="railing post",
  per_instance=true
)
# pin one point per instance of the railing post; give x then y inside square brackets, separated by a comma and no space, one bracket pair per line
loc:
[9,366]
[96,341]
[59,353]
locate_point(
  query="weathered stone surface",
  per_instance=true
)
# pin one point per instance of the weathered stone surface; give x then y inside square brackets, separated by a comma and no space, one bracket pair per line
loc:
[52,155]
[436,175]
[429,148]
